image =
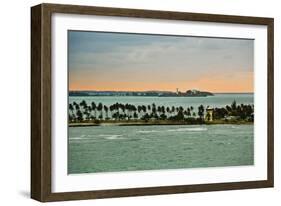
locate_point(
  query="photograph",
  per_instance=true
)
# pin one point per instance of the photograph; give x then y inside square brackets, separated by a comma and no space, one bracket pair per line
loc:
[134,102]
[141,102]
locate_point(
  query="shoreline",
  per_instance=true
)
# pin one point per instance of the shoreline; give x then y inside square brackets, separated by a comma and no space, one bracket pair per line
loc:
[153,123]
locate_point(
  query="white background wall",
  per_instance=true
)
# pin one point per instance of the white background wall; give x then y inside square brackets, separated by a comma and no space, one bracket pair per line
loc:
[15,102]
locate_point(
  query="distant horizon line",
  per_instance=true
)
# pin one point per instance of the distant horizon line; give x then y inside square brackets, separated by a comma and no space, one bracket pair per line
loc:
[157,91]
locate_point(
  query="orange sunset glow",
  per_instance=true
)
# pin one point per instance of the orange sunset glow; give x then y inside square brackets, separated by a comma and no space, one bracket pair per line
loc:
[128,62]
[230,85]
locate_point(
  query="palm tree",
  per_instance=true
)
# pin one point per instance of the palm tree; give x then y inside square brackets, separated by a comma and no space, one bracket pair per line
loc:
[233,105]
[101,116]
[185,113]
[79,115]
[201,112]
[106,111]
[228,108]
[135,115]
[90,112]
[154,110]
[116,107]
[173,110]
[77,107]
[163,116]
[149,108]
[134,109]
[94,107]
[188,113]
[84,104]
[128,109]
[180,115]
[87,114]
[111,108]
[71,109]
[163,110]
[99,108]
[159,110]
[139,109]
[181,108]
[122,106]
[168,110]
[143,108]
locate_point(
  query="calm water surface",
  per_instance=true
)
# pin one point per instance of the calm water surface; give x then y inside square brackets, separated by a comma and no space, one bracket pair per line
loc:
[218,100]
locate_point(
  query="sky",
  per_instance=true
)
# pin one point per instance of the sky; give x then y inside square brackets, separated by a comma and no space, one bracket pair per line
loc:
[140,62]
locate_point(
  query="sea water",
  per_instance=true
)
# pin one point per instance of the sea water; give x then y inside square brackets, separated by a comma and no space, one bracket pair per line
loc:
[111,148]
[127,148]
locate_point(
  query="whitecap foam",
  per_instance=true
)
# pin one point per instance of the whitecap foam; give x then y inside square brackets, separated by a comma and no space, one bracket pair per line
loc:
[195,129]
[74,138]
[103,135]
[147,131]
[82,137]
[112,137]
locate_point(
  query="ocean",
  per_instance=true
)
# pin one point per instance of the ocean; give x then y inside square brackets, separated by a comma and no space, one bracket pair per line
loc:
[112,148]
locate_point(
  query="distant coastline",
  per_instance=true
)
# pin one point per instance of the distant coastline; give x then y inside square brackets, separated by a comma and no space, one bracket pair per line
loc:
[222,93]
[188,93]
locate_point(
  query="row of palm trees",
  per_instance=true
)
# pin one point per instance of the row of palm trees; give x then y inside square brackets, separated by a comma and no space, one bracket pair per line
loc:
[242,111]
[119,111]
[79,112]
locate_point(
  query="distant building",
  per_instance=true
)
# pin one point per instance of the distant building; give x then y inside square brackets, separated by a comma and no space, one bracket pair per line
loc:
[209,114]
[194,91]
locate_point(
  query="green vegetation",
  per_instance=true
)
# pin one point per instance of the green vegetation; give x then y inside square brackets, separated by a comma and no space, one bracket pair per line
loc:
[83,114]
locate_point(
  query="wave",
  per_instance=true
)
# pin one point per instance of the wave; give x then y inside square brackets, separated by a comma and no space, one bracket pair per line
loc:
[79,138]
[148,131]
[105,136]
[112,137]
[195,129]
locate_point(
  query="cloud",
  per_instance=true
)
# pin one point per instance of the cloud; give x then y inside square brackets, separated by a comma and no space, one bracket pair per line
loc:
[154,58]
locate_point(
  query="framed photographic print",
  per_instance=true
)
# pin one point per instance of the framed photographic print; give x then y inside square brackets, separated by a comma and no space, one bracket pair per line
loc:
[130,102]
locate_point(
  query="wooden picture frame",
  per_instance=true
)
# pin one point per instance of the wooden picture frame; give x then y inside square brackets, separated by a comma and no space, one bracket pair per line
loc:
[41,117]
